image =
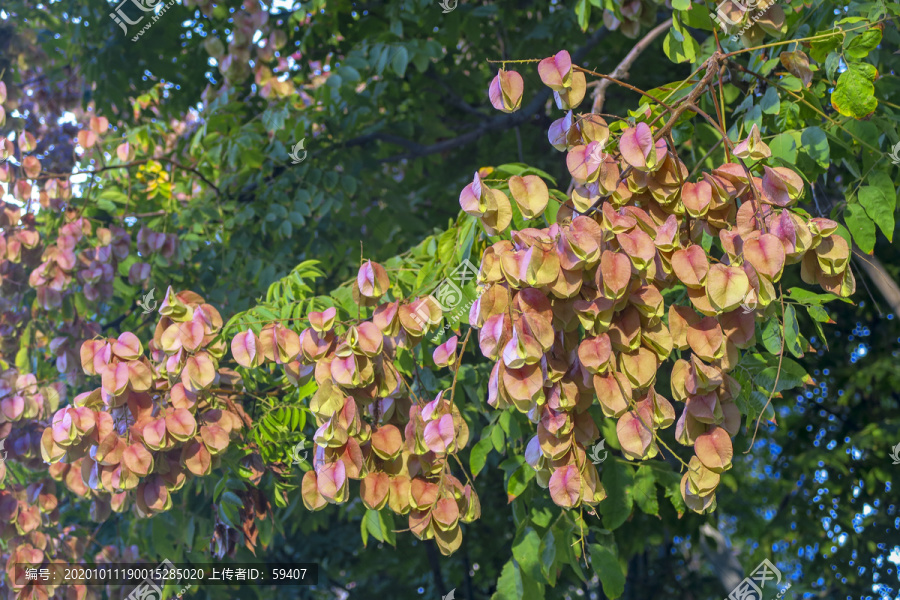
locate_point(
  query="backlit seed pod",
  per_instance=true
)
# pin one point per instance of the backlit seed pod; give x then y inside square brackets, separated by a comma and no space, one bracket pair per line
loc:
[556,71]
[372,280]
[752,147]
[506,91]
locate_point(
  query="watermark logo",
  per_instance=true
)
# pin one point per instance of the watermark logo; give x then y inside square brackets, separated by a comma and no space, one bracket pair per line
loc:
[895,154]
[450,596]
[895,455]
[723,20]
[122,20]
[148,590]
[749,307]
[595,452]
[296,159]
[3,441]
[448,6]
[751,588]
[295,453]
[145,302]
[598,154]
[449,296]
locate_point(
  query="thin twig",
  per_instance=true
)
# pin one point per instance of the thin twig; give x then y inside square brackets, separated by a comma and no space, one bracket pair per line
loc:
[621,70]
[459,364]
[777,375]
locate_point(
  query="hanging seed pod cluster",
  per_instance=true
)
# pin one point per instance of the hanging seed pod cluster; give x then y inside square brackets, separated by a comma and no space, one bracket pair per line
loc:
[153,422]
[641,268]
[369,426]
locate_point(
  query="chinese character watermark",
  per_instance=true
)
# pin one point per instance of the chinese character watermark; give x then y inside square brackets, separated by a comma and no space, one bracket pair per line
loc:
[448,5]
[751,588]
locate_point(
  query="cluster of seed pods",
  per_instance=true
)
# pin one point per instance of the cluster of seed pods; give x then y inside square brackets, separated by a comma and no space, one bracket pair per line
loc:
[79,264]
[369,428]
[153,422]
[29,513]
[576,311]
[30,526]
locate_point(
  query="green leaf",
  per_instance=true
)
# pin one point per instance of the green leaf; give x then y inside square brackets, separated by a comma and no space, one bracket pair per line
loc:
[879,207]
[770,102]
[821,48]
[349,73]
[814,144]
[693,15]
[526,551]
[792,331]
[819,314]
[498,439]
[792,83]
[861,227]
[644,490]
[675,497]
[386,520]
[518,481]
[106,205]
[231,498]
[509,586]
[531,589]
[373,524]
[583,14]
[22,359]
[861,45]
[784,146]
[548,554]
[273,118]
[832,62]
[606,566]
[792,375]
[229,505]
[771,336]
[743,398]
[883,181]
[617,479]
[854,95]
[364,531]
[191,527]
[114,195]
[479,455]
[679,46]
[400,61]
[806,297]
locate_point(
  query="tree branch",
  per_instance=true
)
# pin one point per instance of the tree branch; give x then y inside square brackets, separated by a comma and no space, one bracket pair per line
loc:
[435,562]
[712,68]
[503,121]
[621,71]
[722,558]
